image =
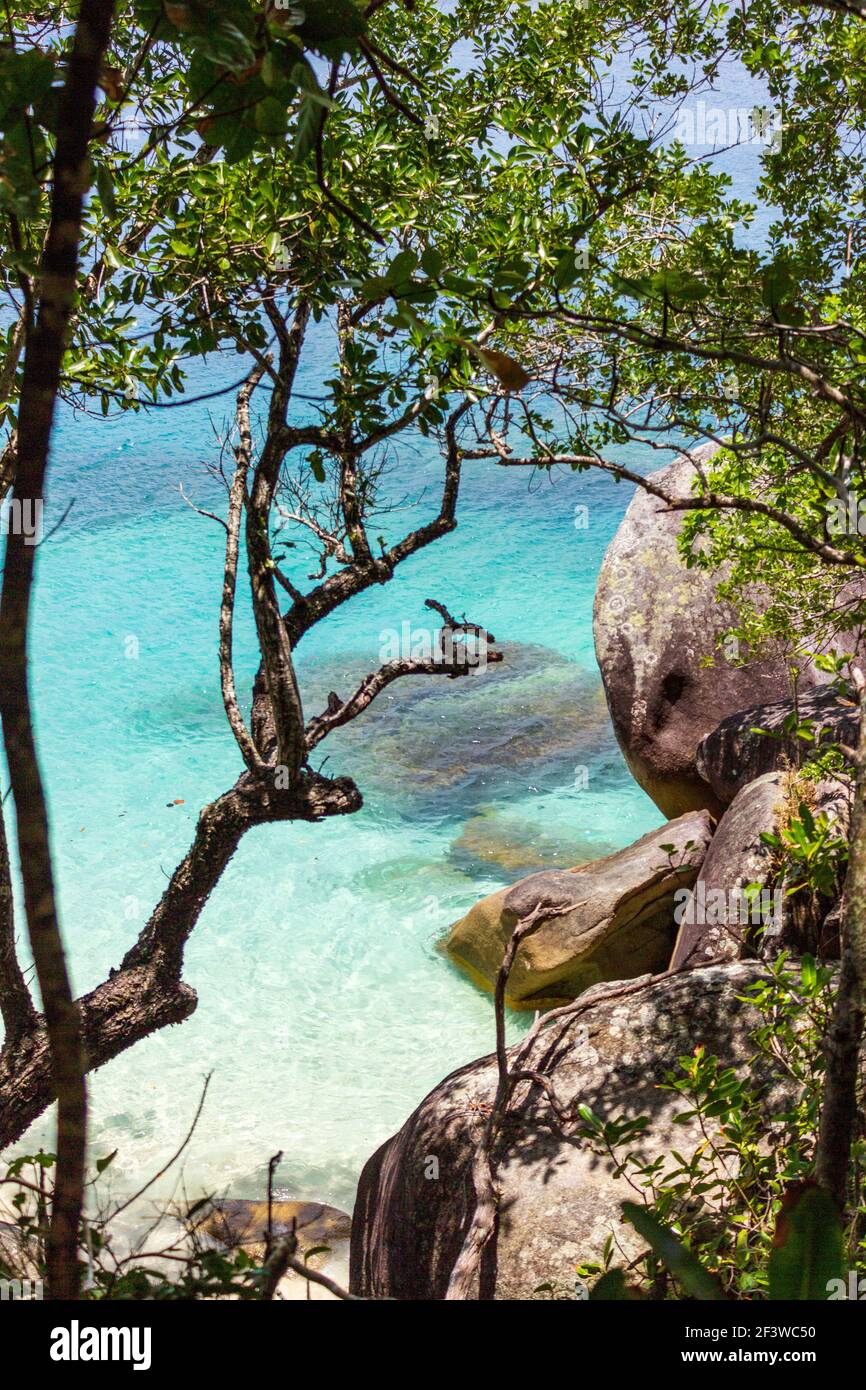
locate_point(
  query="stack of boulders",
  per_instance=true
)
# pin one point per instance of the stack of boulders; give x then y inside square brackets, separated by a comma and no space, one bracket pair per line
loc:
[687,712]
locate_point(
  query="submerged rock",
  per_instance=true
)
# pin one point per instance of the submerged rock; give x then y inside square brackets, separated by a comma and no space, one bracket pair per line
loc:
[559,1199]
[618,920]
[734,753]
[322,1231]
[443,747]
[657,626]
[236,1222]
[513,847]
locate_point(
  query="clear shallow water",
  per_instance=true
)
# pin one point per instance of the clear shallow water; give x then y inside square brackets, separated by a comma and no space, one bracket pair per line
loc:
[326,1011]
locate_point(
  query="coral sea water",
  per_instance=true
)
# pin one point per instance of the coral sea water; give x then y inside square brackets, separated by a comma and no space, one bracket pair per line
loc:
[325,1010]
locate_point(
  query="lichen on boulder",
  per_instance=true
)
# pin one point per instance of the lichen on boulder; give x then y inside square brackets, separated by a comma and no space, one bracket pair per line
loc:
[658,627]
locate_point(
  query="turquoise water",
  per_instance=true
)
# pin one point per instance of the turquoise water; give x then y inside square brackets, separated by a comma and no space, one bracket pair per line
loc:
[326,1011]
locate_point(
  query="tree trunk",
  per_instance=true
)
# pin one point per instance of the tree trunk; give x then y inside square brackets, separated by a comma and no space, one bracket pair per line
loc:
[845,1034]
[41,378]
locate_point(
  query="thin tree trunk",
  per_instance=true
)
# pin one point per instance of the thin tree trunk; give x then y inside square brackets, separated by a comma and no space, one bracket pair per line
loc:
[42,364]
[845,1034]
[277,669]
[16,1007]
[237,498]
[482,1223]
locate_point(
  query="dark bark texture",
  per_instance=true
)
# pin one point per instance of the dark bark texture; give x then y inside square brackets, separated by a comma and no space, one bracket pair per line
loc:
[43,358]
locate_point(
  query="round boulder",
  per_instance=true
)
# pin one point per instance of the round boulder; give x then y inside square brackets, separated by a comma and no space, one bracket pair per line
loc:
[657,628]
[559,1198]
[611,919]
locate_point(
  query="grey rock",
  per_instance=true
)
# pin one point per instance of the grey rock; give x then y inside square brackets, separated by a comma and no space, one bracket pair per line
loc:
[656,626]
[616,922]
[736,858]
[559,1199]
[732,754]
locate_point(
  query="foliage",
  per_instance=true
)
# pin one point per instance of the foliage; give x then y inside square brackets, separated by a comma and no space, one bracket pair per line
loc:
[738,1207]
[171,1259]
[810,850]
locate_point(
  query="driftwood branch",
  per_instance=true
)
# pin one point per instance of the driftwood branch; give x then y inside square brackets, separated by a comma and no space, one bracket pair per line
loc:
[458,663]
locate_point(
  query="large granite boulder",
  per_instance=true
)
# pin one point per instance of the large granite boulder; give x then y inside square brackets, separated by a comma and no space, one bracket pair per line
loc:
[657,626]
[718,921]
[559,1198]
[611,919]
[734,754]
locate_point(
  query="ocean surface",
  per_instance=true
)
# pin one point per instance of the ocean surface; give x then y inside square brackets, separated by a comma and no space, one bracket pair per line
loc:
[326,1011]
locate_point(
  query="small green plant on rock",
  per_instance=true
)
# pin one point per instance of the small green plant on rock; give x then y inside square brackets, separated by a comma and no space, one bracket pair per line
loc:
[714,1219]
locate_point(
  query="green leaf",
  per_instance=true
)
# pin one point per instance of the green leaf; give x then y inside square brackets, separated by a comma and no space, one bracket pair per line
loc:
[565,272]
[304,76]
[332,27]
[679,286]
[688,1272]
[431,262]
[777,284]
[401,268]
[306,128]
[105,189]
[271,117]
[809,1251]
[271,70]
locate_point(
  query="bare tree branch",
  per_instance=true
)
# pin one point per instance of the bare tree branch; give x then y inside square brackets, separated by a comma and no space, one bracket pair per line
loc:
[237,498]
